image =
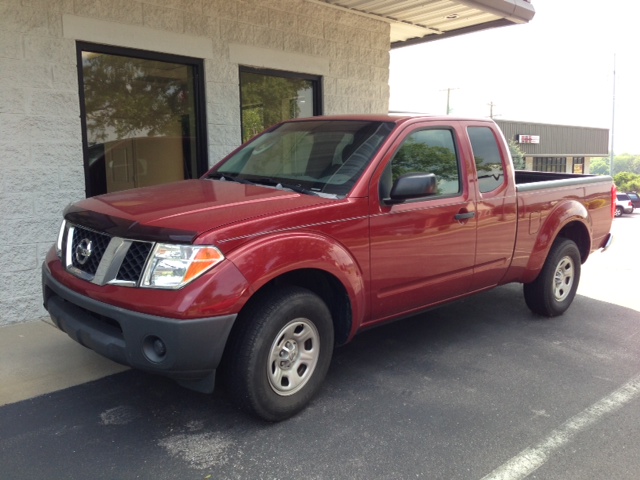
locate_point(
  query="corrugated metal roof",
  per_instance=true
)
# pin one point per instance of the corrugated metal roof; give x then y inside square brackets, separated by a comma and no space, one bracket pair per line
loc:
[418,21]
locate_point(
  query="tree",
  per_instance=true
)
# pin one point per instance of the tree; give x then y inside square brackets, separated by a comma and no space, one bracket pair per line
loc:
[627,182]
[517,155]
[126,97]
[599,166]
[626,163]
[267,100]
[414,157]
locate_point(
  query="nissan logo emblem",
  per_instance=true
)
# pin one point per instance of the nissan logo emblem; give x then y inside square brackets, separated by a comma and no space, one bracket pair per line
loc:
[83,251]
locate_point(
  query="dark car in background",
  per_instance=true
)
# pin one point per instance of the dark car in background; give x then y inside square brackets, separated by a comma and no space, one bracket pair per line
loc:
[635,199]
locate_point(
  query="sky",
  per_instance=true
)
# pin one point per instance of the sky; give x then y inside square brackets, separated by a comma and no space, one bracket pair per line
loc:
[557,69]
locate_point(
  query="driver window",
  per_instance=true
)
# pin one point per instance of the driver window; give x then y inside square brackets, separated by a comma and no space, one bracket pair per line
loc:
[426,151]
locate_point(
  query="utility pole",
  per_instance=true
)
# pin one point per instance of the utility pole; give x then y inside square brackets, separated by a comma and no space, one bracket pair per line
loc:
[491,105]
[448,98]
[613,114]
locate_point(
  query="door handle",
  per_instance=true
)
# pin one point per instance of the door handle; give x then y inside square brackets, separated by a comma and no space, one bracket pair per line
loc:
[465,216]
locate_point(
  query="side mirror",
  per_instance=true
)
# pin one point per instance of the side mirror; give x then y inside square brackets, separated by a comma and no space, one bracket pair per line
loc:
[414,185]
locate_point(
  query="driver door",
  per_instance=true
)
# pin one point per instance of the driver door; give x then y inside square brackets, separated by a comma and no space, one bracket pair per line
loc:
[423,249]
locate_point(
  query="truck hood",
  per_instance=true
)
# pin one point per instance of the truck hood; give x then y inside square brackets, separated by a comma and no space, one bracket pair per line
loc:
[182,211]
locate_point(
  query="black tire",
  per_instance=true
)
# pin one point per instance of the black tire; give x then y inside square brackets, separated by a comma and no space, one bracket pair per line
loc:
[619,211]
[553,291]
[279,355]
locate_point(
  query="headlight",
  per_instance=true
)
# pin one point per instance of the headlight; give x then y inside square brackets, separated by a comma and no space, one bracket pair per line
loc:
[59,245]
[173,266]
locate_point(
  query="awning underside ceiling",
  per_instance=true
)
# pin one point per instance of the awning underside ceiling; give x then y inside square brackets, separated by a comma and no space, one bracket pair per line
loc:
[417,21]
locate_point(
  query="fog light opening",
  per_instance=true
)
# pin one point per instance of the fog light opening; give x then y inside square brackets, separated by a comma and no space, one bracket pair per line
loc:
[154,349]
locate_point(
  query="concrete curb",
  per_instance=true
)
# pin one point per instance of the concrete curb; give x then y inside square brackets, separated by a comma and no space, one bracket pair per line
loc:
[37,358]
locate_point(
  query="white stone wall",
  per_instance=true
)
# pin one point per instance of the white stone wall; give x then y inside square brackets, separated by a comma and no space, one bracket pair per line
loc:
[41,163]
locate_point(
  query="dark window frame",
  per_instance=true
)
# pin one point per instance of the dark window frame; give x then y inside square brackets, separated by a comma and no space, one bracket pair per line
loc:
[317,80]
[201,153]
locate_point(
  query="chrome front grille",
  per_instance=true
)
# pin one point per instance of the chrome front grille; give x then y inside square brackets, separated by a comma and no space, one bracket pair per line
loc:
[134,261]
[103,259]
[87,249]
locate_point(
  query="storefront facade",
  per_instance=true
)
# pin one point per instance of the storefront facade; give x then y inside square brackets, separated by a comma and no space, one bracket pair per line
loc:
[557,148]
[103,95]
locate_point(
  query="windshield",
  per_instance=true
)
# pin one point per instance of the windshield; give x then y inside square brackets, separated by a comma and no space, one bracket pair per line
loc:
[323,157]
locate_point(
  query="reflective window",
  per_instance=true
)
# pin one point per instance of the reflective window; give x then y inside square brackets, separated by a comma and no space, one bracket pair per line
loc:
[426,151]
[269,97]
[550,164]
[317,157]
[578,164]
[141,118]
[487,157]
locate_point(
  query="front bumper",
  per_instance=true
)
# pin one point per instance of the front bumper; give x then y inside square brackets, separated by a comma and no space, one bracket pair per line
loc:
[188,351]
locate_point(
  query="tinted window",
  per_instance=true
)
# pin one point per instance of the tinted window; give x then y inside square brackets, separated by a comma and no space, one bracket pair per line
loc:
[141,118]
[550,164]
[269,97]
[324,157]
[427,151]
[487,157]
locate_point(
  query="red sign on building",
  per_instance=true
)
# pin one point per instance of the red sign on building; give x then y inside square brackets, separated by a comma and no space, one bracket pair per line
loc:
[528,138]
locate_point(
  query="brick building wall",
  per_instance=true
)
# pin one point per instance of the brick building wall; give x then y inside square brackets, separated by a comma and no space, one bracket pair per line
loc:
[41,159]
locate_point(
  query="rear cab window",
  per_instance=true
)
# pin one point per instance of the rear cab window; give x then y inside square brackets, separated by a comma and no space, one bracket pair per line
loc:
[487,158]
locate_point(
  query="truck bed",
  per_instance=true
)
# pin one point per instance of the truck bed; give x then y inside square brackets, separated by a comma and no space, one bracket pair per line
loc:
[528,180]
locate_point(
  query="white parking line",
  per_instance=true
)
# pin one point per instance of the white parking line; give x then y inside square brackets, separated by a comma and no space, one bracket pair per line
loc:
[534,457]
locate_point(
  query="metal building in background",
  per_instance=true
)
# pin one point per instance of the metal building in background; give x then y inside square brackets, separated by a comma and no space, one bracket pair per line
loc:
[557,148]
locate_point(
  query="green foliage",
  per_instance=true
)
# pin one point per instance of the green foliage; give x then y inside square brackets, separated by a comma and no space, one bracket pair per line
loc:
[627,182]
[626,170]
[252,122]
[415,157]
[626,163]
[267,100]
[130,97]
[517,155]
[599,166]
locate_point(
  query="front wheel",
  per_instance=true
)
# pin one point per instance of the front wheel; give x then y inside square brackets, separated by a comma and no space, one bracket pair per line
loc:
[278,357]
[553,291]
[619,211]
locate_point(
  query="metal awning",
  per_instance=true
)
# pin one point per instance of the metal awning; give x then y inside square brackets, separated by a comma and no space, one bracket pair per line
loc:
[418,21]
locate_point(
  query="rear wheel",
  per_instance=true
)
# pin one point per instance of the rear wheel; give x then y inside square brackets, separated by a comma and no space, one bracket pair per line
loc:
[553,291]
[277,359]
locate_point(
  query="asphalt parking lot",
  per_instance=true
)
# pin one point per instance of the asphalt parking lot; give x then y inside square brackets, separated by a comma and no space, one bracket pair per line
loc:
[481,389]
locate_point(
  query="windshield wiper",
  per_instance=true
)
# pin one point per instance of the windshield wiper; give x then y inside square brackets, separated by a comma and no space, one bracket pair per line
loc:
[270,182]
[295,187]
[230,178]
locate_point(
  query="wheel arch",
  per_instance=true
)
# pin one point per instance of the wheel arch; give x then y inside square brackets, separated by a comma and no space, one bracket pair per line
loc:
[312,261]
[570,220]
[326,286]
[579,233]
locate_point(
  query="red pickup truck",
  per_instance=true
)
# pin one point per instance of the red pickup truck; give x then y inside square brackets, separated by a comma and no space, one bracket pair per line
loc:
[311,232]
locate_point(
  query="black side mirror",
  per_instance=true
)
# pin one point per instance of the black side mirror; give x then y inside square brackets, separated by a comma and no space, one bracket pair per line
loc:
[413,185]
